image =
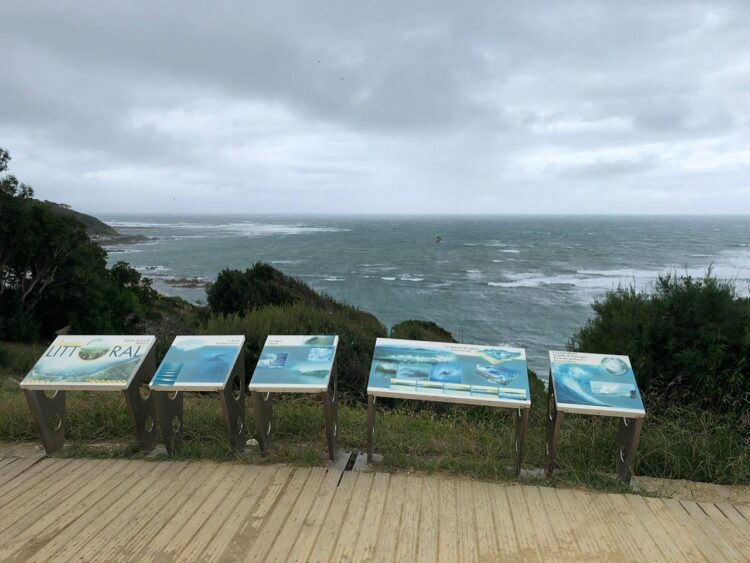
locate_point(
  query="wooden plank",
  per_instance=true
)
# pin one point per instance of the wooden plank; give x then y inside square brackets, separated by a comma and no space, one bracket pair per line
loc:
[19,465]
[604,536]
[734,516]
[631,532]
[368,535]
[408,541]
[448,521]
[390,524]
[467,524]
[543,529]
[527,545]
[3,462]
[296,520]
[647,520]
[179,538]
[702,542]
[102,532]
[257,548]
[31,532]
[743,509]
[429,520]
[325,543]
[23,480]
[485,521]
[317,518]
[145,509]
[254,519]
[572,542]
[615,519]
[738,537]
[681,533]
[507,539]
[356,516]
[59,488]
[68,540]
[710,529]
[198,546]
[151,542]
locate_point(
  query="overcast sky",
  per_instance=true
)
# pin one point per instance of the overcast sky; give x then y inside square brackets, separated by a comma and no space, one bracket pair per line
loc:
[379,107]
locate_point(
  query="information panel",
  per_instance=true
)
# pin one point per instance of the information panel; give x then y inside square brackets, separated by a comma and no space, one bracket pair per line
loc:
[595,384]
[439,371]
[295,364]
[89,362]
[198,363]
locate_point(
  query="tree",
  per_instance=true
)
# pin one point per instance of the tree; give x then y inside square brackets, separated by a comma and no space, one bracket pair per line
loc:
[53,275]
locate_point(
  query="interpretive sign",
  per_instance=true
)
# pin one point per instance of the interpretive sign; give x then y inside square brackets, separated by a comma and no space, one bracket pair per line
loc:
[494,376]
[89,363]
[595,384]
[296,364]
[92,363]
[198,363]
[202,363]
[440,371]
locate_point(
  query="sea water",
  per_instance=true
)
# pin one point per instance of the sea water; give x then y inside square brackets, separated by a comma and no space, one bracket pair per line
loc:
[521,281]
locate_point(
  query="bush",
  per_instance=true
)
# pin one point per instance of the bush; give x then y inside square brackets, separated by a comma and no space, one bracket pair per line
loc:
[357,332]
[688,340]
[238,292]
[421,330]
[3,357]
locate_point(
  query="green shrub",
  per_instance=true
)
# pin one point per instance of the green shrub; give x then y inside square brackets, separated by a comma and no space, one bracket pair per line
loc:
[688,340]
[357,333]
[421,330]
[262,285]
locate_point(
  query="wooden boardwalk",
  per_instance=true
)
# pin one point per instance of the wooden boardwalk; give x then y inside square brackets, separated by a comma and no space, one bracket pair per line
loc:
[110,510]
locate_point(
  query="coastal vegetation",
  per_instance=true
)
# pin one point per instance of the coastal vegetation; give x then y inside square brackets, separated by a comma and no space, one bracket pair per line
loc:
[688,340]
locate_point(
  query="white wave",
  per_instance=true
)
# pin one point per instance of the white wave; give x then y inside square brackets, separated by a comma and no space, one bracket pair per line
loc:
[285,261]
[473,271]
[265,229]
[152,270]
[411,277]
[245,228]
[388,278]
[510,251]
[333,278]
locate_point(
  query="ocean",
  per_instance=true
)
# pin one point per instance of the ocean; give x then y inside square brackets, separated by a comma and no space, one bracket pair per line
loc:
[524,281]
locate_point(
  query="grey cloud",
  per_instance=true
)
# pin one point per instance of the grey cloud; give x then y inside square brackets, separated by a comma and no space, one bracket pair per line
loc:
[446,98]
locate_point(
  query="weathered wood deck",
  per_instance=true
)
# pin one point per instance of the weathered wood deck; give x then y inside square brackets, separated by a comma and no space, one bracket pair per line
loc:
[105,510]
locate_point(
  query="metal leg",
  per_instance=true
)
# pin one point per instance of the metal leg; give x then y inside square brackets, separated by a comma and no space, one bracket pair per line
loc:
[522,423]
[554,422]
[49,414]
[370,425]
[330,411]
[142,404]
[263,406]
[627,445]
[232,399]
[170,408]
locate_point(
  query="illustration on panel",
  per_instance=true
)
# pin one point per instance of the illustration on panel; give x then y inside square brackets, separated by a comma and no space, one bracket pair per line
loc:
[595,381]
[90,360]
[459,371]
[198,361]
[295,362]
